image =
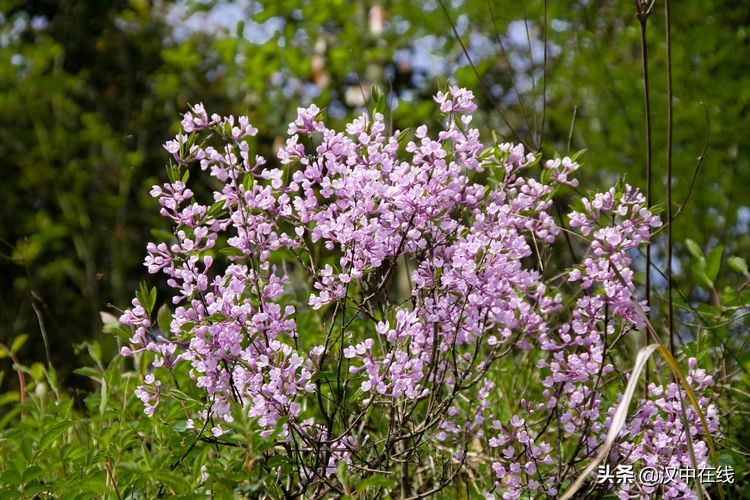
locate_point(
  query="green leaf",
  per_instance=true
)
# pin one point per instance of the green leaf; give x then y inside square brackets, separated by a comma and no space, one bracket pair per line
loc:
[95,485]
[104,397]
[95,351]
[142,294]
[694,249]
[486,153]
[37,372]
[378,99]
[109,321]
[342,473]
[713,263]
[276,461]
[35,490]
[699,269]
[577,155]
[173,173]
[216,209]
[9,416]
[53,434]
[10,397]
[146,297]
[546,176]
[248,180]
[218,317]
[51,375]
[738,264]
[11,477]
[87,371]
[376,481]
[744,360]
[403,136]
[231,252]
[122,332]
[164,318]
[269,441]
[31,473]
[18,342]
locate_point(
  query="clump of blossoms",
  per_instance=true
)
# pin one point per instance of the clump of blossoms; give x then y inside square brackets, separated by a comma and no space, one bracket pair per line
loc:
[418,265]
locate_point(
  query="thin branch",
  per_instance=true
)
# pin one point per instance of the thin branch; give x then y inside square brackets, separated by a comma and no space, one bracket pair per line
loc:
[698,164]
[479,77]
[43,330]
[504,52]
[643,12]
[670,218]
[572,126]
[531,60]
[544,79]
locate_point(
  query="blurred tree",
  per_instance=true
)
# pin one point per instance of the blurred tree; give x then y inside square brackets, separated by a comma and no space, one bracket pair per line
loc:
[90,89]
[567,76]
[333,52]
[88,93]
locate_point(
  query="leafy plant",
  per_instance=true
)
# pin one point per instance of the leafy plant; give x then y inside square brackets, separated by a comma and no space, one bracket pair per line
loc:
[424,287]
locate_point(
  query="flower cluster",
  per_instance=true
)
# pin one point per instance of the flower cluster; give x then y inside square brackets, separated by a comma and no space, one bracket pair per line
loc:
[659,425]
[422,260]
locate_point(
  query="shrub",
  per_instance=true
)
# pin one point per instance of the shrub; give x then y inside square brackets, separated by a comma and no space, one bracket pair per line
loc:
[382,312]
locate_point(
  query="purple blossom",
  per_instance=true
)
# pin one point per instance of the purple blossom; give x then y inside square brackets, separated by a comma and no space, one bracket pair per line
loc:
[476,294]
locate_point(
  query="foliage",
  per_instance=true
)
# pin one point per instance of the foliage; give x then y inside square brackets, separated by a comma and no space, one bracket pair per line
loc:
[333,231]
[52,444]
[89,91]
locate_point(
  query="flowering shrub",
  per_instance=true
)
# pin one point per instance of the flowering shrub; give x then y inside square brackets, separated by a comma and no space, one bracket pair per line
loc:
[383,311]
